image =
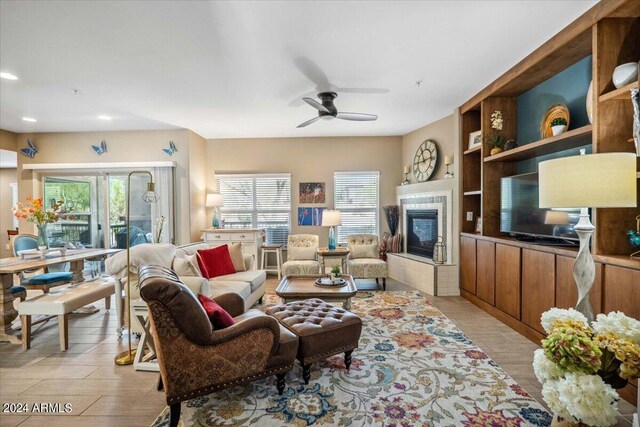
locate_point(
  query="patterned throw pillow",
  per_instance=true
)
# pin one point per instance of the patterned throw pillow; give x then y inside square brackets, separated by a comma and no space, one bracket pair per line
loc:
[364,251]
[395,244]
[301,253]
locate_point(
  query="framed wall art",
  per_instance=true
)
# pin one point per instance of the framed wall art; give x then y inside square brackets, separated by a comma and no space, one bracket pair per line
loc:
[312,192]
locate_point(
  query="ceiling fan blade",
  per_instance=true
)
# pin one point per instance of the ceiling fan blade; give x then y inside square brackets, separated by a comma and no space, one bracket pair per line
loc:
[308,122]
[359,117]
[367,90]
[315,104]
[313,72]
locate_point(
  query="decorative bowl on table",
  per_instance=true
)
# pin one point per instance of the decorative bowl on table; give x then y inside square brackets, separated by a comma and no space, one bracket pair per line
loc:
[329,282]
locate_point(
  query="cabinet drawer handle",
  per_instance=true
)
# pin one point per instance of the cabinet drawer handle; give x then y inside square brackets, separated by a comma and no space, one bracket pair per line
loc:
[242,236]
[217,236]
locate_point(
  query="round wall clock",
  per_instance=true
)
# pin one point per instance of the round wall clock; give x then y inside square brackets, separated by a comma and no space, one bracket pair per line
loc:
[425,160]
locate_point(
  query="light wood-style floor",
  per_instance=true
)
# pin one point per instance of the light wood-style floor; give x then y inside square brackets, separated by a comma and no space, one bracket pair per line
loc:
[102,394]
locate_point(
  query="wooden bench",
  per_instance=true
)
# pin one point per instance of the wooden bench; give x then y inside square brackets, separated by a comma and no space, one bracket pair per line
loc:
[60,302]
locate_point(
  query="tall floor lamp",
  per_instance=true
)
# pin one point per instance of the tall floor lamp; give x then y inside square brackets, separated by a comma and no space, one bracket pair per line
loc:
[604,180]
[150,196]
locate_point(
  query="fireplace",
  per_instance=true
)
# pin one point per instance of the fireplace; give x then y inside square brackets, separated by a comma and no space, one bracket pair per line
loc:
[422,231]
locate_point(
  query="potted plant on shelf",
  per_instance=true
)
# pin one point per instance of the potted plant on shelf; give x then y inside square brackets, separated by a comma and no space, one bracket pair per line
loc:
[581,365]
[496,139]
[558,125]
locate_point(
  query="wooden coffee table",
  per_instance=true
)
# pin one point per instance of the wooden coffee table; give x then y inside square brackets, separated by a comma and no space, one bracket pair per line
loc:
[296,288]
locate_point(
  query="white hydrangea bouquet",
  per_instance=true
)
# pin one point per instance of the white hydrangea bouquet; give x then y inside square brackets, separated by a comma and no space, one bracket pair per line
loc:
[581,365]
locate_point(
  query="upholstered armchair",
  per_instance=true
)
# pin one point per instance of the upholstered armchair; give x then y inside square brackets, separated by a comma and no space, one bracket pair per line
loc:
[302,255]
[195,359]
[364,261]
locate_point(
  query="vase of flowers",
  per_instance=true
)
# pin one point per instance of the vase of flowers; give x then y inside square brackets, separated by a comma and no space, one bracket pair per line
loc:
[580,365]
[558,125]
[496,139]
[34,211]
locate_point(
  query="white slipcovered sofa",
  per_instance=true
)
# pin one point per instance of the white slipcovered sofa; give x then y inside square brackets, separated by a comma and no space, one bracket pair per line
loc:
[248,284]
[302,255]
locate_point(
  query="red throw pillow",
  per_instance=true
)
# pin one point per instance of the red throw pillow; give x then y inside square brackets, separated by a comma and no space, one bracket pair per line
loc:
[218,316]
[215,262]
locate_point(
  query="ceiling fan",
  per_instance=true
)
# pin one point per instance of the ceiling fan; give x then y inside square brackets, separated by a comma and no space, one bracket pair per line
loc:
[328,111]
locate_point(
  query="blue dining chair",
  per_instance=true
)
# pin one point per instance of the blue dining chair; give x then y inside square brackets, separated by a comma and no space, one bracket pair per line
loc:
[54,275]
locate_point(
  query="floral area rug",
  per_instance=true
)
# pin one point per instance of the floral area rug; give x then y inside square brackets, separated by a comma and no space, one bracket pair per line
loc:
[413,368]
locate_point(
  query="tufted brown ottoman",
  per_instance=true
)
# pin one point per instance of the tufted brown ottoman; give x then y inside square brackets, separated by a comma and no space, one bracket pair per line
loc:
[323,330]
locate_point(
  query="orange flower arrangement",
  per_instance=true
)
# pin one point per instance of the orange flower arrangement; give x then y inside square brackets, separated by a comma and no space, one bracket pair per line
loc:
[34,211]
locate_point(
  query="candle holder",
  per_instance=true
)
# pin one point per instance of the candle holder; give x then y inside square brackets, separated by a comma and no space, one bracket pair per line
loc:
[406,171]
[448,174]
[406,179]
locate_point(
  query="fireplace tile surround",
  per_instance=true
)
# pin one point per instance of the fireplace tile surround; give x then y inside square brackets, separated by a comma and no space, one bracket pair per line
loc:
[419,271]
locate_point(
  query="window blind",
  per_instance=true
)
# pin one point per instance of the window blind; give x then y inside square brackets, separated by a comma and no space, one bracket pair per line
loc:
[257,201]
[356,196]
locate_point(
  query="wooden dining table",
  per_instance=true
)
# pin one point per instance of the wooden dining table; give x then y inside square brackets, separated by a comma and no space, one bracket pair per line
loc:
[9,267]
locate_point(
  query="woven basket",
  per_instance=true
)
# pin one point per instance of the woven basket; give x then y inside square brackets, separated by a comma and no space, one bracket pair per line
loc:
[554,112]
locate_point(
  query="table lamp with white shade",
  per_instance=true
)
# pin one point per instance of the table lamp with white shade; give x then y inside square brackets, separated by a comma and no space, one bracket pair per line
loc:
[215,200]
[604,180]
[331,218]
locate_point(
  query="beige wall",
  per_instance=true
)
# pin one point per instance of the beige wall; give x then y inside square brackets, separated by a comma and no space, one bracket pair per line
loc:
[197,184]
[446,134]
[7,177]
[8,141]
[310,160]
[440,131]
[125,146]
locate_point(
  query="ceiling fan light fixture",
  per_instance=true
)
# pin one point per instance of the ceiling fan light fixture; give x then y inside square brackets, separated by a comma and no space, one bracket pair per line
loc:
[328,111]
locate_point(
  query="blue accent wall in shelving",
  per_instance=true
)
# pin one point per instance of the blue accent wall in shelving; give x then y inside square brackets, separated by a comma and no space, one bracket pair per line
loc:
[568,87]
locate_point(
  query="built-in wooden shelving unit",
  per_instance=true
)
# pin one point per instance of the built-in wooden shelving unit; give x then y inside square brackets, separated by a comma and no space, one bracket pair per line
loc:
[570,139]
[622,93]
[473,150]
[515,281]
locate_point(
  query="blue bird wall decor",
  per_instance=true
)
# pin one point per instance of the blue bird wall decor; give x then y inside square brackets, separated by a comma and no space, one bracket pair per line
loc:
[100,149]
[172,149]
[30,151]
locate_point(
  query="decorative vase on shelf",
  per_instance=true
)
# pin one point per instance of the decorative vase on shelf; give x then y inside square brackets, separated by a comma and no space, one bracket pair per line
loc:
[510,145]
[558,129]
[496,150]
[43,242]
[624,74]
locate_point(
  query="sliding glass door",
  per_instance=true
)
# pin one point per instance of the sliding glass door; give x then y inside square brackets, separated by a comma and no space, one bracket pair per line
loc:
[80,223]
[94,207]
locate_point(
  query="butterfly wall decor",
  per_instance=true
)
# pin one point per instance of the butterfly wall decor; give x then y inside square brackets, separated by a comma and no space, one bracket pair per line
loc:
[100,149]
[30,151]
[172,149]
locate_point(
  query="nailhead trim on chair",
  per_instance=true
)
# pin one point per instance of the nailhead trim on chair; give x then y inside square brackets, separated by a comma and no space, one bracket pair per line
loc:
[217,387]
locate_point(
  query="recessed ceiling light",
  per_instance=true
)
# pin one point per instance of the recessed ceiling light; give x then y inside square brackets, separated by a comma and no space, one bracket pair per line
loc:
[29,119]
[105,117]
[8,76]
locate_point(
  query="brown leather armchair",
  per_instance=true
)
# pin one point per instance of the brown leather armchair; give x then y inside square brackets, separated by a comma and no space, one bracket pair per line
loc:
[194,358]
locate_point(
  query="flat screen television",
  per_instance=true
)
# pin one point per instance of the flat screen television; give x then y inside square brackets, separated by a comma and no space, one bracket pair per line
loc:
[521,216]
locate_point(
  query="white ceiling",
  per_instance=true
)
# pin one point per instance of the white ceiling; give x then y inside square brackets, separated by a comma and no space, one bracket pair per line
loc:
[237,69]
